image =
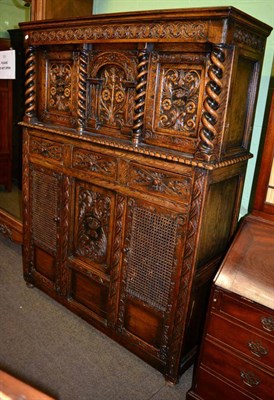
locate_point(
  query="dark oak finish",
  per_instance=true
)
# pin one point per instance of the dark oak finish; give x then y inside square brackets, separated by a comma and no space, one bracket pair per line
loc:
[236,358]
[136,142]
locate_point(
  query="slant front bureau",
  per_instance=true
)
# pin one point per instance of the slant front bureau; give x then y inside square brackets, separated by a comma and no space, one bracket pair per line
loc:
[136,140]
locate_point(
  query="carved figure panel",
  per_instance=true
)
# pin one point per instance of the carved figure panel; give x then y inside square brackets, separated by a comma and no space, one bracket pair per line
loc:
[93,224]
[112,90]
[177,82]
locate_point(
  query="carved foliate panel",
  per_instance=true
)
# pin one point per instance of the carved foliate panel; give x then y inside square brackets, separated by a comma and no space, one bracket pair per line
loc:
[58,97]
[94,219]
[47,149]
[162,183]
[177,81]
[111,92]
[94,163]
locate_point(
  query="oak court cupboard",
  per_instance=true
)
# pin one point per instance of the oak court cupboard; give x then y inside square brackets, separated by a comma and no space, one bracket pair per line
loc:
[136,140]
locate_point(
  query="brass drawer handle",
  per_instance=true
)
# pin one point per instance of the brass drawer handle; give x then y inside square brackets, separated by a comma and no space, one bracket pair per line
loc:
[250,379]
[268,323]
[257,348]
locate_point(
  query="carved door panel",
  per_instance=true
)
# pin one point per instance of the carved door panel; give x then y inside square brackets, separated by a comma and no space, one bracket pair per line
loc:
[57,93]
[47,231]
[111,87]
[153,246]
[90,262]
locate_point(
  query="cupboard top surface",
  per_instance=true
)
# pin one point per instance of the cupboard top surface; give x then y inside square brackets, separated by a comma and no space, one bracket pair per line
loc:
[193,24]
[247,269]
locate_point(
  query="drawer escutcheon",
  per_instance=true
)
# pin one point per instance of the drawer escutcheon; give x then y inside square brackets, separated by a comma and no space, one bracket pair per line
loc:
[249,378]
[257,348]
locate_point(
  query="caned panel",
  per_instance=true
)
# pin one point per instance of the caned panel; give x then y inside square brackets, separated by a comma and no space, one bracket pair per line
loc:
[44,208]
[151,257]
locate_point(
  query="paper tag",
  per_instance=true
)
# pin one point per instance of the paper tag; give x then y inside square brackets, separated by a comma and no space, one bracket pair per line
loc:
[7,64]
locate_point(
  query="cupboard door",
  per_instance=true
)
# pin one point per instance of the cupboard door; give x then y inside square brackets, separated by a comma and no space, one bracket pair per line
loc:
[153,246]
[48,227]
[89,264]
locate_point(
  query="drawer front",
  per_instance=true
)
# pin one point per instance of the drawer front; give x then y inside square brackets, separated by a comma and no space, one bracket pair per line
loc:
[253,345]
[253,315]
[47,149]
[94,163]
[209,386]
[161,183]
[238,371]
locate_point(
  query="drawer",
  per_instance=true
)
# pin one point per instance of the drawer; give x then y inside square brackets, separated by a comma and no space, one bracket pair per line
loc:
[47,149]
[240,372]
[94,163]
[162,183]
[245,311]
[244,340]
[208,386]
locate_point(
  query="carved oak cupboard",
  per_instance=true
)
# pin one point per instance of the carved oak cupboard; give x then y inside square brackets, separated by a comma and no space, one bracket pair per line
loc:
[136,140]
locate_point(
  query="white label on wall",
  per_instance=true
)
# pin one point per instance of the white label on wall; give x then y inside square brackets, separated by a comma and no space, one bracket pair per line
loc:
[7,64]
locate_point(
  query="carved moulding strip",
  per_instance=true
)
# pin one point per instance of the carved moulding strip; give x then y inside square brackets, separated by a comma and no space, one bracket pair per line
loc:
[145,149]
[187,30]
[186,275]
[116,261]
[208,133]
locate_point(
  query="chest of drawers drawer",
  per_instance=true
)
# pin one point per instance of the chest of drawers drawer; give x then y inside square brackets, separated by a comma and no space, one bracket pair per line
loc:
[238,371]
[47,150]
[247,341]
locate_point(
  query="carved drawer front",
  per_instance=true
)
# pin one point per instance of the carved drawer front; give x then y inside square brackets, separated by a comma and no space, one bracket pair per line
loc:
[256,381]
[47,149]
[161,183]
[57,91]
[152,251]
[94,163]
[258,317]
[244,340]
[94,214]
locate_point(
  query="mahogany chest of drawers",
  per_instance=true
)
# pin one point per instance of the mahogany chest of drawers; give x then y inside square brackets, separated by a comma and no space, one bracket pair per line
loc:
[237,353]
[136,140]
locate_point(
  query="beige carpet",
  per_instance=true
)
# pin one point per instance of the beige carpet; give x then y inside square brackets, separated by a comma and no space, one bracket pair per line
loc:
[47,346]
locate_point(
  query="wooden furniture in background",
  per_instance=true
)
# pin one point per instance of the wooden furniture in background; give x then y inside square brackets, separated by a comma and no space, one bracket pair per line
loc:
[5,126]
[237,354]
[50,9]
[136,141]
[12,388]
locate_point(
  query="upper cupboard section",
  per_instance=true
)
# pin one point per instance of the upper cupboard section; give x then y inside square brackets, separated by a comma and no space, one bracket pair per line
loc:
[184,86]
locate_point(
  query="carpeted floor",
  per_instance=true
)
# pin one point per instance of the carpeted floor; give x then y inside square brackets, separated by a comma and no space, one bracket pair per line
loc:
[44,344]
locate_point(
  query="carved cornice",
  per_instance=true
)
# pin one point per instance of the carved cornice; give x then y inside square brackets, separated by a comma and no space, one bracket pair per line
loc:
[242,36]
[161,30]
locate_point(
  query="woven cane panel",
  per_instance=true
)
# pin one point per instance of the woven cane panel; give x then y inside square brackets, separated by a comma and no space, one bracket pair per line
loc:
[151,257]
[44,199]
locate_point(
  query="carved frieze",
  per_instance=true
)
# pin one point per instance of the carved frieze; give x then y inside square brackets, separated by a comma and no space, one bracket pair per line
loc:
[249,39]
[187,30]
